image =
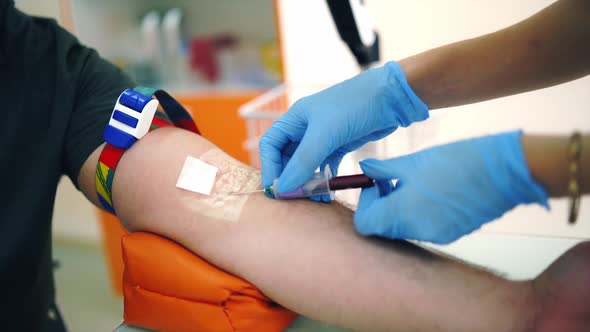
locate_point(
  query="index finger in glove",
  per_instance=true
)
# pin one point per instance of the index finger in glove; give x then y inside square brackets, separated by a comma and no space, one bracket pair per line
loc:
[371,213]
[313,149]
[279,136]
[394,168]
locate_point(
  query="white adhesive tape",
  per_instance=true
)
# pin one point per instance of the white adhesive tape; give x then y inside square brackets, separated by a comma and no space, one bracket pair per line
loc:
[197,176]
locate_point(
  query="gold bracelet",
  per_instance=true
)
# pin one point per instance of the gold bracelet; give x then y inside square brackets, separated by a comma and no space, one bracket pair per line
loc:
[575,150]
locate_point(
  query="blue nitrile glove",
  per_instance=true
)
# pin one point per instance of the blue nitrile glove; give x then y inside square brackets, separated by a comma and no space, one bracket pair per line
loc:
[447,191]
[320,129]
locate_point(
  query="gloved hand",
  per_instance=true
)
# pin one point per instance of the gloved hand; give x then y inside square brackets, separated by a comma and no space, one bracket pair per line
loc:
[320,129]
[447,191]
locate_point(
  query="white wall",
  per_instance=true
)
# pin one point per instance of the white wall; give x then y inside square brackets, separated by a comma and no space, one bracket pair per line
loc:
[315,55]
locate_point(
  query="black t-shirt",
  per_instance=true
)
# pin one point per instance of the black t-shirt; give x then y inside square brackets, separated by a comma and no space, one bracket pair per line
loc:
[56,96]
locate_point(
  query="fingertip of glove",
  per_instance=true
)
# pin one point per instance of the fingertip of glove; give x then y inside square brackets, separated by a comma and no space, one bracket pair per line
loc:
[543,200]
[321,198]
[375,169]
[444,240]
[326,198]
[267,175]
[288,185]
[385,187]
[360,223]
[287,178]
[284,186]
[368,161]
[368,164]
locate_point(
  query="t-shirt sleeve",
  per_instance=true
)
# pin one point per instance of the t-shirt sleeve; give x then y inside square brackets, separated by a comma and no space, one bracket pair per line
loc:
[98,84]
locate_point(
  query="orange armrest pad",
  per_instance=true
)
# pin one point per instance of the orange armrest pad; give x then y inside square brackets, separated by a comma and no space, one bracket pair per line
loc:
[168,288]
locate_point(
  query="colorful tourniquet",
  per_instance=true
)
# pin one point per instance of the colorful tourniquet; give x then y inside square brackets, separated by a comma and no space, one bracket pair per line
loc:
[175,115]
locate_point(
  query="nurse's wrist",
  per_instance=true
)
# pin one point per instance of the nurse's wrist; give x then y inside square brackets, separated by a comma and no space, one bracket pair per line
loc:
[547,160]
[404,101]
[423,82]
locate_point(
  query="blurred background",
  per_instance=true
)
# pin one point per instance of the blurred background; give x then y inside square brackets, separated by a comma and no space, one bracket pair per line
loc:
[212,55]
[220,57]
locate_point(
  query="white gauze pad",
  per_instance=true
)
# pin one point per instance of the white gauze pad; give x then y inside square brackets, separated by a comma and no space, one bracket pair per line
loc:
[196,175]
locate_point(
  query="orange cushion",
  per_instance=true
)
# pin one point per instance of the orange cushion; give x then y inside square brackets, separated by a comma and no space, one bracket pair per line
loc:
[168,288]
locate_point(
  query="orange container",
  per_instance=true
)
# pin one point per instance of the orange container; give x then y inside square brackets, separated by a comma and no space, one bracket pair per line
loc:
[201,298]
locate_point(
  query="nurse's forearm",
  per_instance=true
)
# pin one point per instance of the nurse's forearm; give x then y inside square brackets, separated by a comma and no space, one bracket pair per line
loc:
[549,161]
[306,255]
[546,49]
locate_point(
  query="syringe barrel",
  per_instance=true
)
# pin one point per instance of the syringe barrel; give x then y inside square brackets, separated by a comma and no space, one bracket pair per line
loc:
[311,188]
[318,185]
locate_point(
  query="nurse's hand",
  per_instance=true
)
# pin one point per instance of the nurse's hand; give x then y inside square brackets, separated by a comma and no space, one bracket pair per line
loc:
[447,191]
[320,129]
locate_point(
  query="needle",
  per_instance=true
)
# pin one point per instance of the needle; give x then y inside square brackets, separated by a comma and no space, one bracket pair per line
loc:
[246,192]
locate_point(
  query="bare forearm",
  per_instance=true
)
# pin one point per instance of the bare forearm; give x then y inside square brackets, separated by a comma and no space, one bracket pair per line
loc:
[546,49]
[307,256]
[548,160]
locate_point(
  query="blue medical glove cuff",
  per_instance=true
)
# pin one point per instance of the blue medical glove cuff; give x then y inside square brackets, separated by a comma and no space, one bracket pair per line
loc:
[522,188]
[410,108]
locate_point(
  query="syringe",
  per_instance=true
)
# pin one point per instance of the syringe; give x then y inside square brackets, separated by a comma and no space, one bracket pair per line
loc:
[322,183]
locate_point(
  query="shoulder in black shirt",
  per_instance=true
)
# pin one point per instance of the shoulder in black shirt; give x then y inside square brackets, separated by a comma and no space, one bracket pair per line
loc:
[56,97]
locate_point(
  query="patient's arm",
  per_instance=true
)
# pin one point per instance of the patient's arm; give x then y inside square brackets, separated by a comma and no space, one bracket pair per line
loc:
[306,255]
